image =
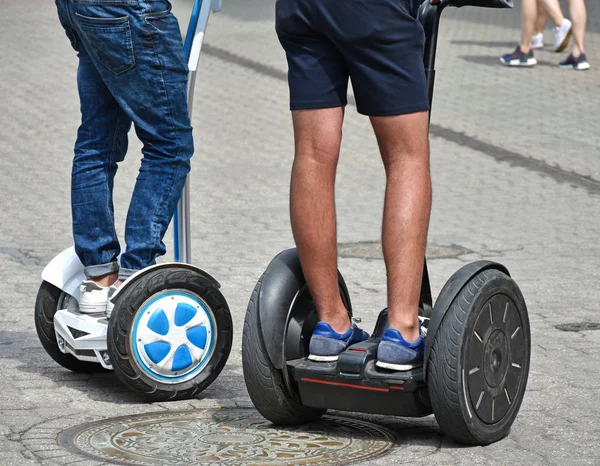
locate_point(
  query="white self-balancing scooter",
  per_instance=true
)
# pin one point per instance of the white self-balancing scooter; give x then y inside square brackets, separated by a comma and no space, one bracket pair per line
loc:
[170,330]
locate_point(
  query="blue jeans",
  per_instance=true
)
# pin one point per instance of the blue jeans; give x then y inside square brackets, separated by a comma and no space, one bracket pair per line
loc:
[132,69]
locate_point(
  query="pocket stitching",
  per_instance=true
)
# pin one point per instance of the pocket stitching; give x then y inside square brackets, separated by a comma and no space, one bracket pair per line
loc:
[95,20]
[126,27]
[159,15]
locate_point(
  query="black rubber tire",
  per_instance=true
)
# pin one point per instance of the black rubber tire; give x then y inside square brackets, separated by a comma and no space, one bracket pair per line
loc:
[46,305]
[264,382]
[447,383]
[121,320]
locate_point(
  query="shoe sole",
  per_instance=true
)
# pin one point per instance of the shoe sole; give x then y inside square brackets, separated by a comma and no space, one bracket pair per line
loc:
[580,67]
[317,358]
[530,62]
[397,367]
[94,309]
[564,43]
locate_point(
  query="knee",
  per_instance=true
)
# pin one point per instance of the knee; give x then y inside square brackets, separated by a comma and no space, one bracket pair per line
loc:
[324,154]
[399,160]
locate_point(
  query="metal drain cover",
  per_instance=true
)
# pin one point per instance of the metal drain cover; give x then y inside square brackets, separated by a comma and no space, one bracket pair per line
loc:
[225,436]
[374,250]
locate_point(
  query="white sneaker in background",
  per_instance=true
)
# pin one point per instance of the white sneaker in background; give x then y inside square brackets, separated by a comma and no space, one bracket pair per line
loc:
[537,41]
[562,34]
[93,298]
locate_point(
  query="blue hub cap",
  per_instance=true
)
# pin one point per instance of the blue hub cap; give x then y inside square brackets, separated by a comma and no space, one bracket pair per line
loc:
[173,336]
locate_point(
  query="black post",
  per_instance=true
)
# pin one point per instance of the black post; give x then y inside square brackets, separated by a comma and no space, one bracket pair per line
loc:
[429,17]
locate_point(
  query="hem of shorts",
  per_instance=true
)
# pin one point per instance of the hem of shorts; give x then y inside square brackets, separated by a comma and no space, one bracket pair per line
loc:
[316,105]
[404,110]
[95,271]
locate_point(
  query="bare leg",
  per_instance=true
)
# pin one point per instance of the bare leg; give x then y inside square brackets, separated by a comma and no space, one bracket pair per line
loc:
[552,8]
[318,135]
[540,20]
[528,15]
[404,145]
[578,14]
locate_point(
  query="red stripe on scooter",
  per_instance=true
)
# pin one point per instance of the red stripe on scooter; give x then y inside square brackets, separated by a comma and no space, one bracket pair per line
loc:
[341,384]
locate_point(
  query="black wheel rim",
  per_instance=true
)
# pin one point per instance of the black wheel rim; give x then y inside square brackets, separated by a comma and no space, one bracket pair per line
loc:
[495,359]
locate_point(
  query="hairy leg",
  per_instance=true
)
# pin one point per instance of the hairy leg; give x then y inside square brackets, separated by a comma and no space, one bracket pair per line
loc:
[404,145]
[318,136]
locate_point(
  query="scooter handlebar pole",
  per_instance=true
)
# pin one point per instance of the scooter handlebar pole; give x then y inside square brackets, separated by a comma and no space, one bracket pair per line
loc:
[193,47]
[429,17]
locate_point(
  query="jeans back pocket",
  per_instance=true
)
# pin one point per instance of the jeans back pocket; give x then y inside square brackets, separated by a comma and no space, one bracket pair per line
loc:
[110,41]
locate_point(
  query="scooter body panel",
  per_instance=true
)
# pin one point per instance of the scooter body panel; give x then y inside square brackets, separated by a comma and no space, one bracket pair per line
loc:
[354,383]
[82,335]
[65,272]
[281,283]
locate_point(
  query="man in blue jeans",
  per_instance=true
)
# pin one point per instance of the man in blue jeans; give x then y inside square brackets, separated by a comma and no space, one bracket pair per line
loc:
[132,69]
[379,45]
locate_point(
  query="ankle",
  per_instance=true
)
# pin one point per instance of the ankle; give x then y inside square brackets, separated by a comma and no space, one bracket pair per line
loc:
[338,321]
[410,329]
[106,280]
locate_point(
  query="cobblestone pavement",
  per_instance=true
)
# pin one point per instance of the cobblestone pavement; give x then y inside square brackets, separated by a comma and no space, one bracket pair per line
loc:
[516,179]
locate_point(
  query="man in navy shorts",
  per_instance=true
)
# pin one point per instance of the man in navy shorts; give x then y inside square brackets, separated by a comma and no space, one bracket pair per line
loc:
[378,44]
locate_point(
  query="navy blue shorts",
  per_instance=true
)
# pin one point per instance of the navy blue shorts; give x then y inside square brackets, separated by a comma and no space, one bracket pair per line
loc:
[376,43]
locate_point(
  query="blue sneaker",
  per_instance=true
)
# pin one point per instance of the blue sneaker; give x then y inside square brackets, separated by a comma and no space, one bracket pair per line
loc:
[396,354]
[326,344]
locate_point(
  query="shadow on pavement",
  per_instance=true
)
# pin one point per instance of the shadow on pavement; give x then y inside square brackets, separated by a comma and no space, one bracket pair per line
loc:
[486,43]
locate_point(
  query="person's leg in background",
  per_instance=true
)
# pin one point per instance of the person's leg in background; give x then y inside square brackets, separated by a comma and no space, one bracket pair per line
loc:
[523,54]
[537,40]
[577,60]
[562,29]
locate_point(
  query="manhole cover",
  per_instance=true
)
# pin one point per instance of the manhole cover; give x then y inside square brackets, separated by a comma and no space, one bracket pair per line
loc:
[225,436]
[373,250]
[579,326]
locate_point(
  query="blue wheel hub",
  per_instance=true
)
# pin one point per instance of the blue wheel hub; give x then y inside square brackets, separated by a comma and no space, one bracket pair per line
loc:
[173,336]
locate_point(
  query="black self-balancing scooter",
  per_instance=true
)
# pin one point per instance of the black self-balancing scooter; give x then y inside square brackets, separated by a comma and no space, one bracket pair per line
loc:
[477,347]
[170,330]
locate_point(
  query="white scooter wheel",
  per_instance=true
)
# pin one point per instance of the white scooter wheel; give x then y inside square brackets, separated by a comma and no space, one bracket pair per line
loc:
[170,334]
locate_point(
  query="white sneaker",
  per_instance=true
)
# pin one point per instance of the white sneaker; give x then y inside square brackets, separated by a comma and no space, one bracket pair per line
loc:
[109,304]
[562,35]
[537,41]
[93,298]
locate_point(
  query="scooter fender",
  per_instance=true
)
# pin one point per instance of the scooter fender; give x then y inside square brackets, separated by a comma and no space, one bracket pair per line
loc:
[446,297]
[280,284]
[65,272]
[141,273]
